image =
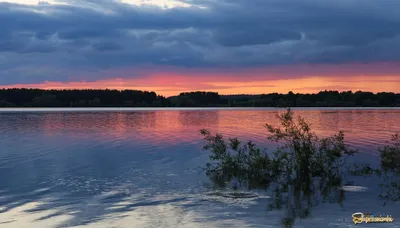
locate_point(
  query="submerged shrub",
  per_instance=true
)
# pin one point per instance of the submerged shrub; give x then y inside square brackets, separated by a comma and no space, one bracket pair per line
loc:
[234,160]
[300,156]
[390,169]
[302,171]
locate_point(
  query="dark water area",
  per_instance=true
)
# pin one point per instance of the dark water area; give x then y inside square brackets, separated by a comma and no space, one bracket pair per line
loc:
[141,168]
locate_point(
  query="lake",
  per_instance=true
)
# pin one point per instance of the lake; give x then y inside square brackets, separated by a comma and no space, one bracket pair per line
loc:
[140,167]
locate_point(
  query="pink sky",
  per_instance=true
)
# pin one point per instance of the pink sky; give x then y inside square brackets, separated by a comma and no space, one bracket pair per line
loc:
[170,81]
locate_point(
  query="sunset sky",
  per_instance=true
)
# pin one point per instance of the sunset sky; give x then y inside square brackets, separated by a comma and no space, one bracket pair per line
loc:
[228,46]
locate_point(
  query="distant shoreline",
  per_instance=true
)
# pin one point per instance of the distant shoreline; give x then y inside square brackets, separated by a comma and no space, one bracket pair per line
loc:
[133,109]
[39,98]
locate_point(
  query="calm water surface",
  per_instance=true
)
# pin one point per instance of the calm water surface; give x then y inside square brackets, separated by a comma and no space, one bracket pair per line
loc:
[141,168]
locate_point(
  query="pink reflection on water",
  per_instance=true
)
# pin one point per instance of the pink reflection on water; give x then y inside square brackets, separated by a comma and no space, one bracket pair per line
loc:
[173,127]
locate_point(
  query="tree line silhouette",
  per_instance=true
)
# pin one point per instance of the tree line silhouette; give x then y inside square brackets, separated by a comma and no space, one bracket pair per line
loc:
[135,98]
[79,98]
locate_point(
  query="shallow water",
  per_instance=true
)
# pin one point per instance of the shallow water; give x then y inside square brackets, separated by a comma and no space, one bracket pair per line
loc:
[140,167]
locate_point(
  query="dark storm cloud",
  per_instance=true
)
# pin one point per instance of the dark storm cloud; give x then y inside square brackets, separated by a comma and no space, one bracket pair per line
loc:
[254,36]
[210,33]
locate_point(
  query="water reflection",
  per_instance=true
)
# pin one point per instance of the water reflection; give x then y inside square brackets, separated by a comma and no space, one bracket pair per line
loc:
[138,169]
[158,126]
[198,118]
[299,202]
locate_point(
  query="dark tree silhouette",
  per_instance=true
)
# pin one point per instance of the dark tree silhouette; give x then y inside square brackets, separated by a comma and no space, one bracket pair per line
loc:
[79,98]
[136,98]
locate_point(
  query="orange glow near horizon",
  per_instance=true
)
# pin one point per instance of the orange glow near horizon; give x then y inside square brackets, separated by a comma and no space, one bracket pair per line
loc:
[172,82]
[302,85]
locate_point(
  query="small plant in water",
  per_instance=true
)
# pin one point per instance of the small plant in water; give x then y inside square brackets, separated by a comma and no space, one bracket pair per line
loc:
[390,169]
[302,172]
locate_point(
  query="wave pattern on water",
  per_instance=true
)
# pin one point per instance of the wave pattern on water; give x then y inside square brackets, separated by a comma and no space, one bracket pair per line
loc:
[140,168]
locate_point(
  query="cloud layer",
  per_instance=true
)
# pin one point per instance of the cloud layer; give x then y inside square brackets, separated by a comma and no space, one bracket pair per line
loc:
[77,39]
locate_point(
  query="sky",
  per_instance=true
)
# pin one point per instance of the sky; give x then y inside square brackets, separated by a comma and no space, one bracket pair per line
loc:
[227,46]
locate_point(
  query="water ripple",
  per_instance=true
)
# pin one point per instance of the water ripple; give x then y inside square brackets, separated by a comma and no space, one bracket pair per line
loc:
[139,168]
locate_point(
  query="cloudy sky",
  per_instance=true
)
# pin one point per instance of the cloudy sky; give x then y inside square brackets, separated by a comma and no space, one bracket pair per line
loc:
[229,46]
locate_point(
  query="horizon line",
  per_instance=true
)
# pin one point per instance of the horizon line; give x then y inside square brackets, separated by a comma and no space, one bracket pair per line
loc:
[193,91]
